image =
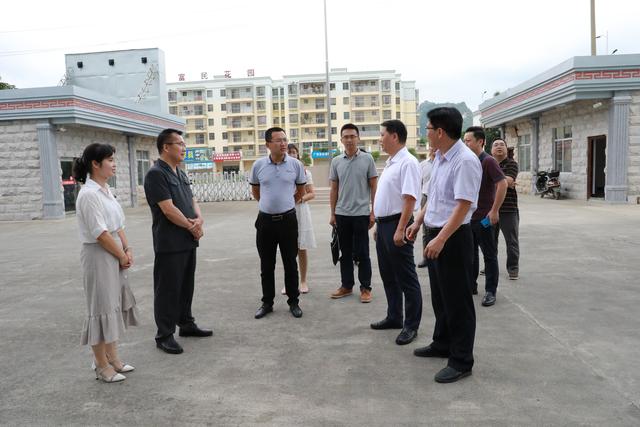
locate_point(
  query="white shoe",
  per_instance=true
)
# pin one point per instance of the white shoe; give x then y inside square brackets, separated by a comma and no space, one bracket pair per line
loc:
[115,378]
[125,367]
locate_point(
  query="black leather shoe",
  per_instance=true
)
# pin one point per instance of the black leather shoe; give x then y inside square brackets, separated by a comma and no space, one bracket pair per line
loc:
[430,351]
[450,375]
[194,331]
[169,345]
[489,299]
[406,336]
[474,290]
[295,310]
[386,324]
[263,311]
[422,264]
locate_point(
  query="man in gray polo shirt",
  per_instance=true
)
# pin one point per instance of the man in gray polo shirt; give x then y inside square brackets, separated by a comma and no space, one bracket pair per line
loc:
[277,182]
[353,178]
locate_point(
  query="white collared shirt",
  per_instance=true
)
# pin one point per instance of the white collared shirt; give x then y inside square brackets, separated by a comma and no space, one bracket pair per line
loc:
[426,166]
[401,176]
[97,211]
[456,175]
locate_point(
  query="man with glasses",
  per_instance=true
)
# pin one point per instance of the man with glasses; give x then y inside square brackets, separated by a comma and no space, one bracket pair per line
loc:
[277,183]
[453,196]
[353,179]
[176,228]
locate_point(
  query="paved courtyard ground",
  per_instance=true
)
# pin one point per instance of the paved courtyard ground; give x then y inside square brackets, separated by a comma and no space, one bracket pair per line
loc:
[560,347]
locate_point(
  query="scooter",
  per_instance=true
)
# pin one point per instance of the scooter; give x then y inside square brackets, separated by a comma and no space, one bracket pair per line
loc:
[548,183]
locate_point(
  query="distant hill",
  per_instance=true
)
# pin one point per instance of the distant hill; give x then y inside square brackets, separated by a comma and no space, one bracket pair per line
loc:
[423,109]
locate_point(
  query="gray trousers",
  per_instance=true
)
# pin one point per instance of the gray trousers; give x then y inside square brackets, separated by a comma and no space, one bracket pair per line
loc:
[509,223]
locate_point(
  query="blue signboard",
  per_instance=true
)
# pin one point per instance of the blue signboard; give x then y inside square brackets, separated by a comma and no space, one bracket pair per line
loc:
[198,155]
[323,154]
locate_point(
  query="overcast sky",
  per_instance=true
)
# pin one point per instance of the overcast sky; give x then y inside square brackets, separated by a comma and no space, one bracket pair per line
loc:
[454,49]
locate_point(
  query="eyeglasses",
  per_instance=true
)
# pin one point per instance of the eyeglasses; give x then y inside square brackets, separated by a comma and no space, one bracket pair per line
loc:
[280,141]
[182,144]
[349,137]
[431,128]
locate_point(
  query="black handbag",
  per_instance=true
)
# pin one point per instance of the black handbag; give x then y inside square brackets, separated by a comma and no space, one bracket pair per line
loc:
[335,245]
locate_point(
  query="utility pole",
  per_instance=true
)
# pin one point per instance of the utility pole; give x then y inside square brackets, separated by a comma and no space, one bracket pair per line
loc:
[593,27]
[326,56]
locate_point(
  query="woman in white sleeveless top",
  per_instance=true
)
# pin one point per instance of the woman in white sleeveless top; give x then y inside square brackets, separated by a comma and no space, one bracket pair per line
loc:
[306,236]
[105,257]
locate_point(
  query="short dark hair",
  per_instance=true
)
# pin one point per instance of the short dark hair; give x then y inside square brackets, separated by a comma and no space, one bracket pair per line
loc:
[448,119]
[397,127]
[270,131]
[164,136]
[350,126]
[292,146]
[82,166]
[477,131]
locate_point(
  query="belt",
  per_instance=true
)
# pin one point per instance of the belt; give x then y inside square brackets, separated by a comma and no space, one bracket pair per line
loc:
[277,217]
[382,219]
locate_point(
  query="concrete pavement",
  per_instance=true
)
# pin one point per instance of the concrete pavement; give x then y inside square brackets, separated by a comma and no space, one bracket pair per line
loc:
[560,347]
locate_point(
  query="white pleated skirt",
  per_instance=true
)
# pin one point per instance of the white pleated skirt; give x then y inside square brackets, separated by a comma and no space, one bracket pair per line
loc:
[111,305]
[306,236]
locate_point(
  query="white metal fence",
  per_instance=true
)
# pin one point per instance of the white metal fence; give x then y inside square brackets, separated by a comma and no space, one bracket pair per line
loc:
[218,187]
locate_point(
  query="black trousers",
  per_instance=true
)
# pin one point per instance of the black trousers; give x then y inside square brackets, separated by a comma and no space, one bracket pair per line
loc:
[509,223]
[450,281]
[399,277]
[173,280]
[273,231]
[423,201]
[484,238]
[353,233]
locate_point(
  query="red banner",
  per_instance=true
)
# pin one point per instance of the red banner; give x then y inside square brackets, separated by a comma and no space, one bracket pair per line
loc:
[223,157]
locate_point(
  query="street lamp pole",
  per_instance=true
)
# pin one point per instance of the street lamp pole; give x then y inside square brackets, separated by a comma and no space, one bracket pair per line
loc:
[326,56]
[593,27]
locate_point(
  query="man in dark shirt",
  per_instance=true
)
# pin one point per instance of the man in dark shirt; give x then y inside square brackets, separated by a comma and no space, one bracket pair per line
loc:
[177,227]
[492,190]
[509,214]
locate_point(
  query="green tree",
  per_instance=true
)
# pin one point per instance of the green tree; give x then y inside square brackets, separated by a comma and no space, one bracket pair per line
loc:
[4,85]
[413,151]
[490,134]
[306,159]
[337,152]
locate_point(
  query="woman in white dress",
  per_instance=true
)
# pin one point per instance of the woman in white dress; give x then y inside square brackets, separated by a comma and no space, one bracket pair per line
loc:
[105,258]
[306,237]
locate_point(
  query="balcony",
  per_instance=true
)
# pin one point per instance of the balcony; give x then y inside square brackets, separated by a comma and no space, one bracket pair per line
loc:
[239,111]
[312,89]
[364,86]
[366,118]
[240,125]
[240,94]
[314,106]
[313,136]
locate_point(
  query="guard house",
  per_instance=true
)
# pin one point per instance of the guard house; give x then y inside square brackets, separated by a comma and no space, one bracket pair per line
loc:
[42,130]
[582,118]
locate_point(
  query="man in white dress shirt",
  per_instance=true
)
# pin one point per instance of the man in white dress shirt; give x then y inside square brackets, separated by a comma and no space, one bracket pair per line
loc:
[425,167]
[396,196]
[453,196]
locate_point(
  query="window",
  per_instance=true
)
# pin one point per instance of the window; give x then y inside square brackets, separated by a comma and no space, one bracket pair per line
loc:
[223,121]
[293,118]
[334,131]
[293,104]
[212,136]
[173,96]
[276,120]
[283,120]
[210,122]
[282,106]
[223,107]
[524,152]
[225,149]
[386,85]
[332,86]
[345,100]
[334,116]
[333,101]
[224,136]
[262,120]
[274,92]
[209,94]
[562,148]
[260,91]
[142,160]
[223,93]
[293,89]
[198,110]
[209,107]
[173,110]
[345,86]
[275,105]
[397,115]
[262,134]
[282,91]
[199,138]
[397,100]
[397,85]
[386,99]
[198,124]
[359,116]
[345,115]
[386,114]
[184,94]
[261,105]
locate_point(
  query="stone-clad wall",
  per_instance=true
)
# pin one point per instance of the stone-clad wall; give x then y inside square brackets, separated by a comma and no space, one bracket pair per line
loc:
[20,178]
[633,166]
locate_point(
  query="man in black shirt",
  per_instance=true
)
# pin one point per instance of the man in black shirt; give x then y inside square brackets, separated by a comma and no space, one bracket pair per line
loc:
[177,227]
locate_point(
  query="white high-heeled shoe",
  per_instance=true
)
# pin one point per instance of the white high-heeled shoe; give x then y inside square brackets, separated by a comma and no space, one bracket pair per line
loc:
[115,378]
[125,367]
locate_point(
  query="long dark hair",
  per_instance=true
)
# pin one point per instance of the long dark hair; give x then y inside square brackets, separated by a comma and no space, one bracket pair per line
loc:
[95,151]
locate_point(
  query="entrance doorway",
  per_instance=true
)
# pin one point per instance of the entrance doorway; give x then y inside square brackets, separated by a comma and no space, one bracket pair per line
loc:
[69,184]
[596,161]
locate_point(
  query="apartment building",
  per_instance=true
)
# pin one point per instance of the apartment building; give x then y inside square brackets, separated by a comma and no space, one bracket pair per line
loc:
[230,116]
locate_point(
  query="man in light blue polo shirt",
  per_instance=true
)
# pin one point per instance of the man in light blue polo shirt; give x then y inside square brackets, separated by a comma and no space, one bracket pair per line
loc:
[453,196]
[277,182]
